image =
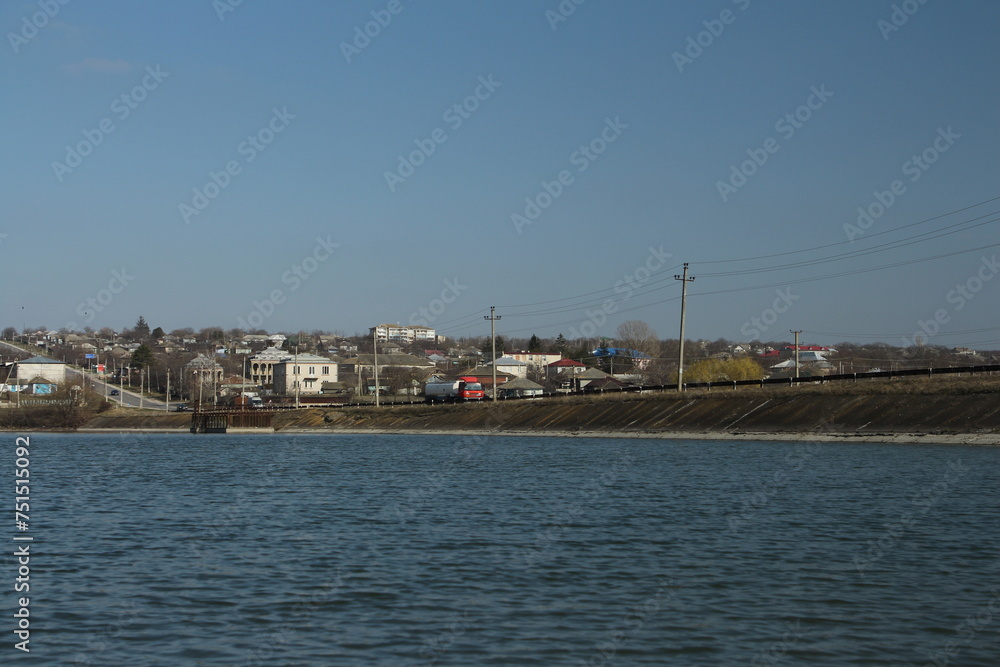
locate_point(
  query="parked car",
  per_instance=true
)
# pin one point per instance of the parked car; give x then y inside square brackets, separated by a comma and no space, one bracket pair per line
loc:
[115,392]
[183,407]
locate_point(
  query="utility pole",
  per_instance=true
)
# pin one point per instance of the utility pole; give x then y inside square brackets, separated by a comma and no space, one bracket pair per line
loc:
[680,352]
[14,365]
[493,317]
[375,362]
[103,381]
[796,351]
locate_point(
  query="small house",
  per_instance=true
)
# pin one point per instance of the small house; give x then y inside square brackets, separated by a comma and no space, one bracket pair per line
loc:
[520,388]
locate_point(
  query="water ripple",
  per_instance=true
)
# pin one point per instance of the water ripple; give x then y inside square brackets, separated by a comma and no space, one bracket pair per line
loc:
[408,550]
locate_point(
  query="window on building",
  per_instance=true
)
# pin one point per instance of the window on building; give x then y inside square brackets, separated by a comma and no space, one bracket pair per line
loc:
[326,370]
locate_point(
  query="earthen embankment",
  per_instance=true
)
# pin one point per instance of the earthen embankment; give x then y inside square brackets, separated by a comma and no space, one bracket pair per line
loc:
[954,408]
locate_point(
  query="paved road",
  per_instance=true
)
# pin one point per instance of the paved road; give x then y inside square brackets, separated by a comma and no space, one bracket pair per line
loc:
[127,397]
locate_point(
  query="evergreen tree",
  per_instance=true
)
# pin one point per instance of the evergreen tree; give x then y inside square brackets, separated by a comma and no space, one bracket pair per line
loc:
[534,345]
[141,329]
[143,357]
[487,348]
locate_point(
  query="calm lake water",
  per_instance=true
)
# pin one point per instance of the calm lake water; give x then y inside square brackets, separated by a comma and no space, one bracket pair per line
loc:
[419,550]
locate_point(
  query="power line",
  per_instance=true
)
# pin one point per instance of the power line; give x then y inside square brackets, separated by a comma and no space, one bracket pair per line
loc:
[839,243]
[579,296]
[891,245]
[776,284]
[854,271]
[576,302]
[880,248]
[894,335]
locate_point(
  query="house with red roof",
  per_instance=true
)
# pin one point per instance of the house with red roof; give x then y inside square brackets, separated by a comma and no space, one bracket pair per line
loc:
[565,368]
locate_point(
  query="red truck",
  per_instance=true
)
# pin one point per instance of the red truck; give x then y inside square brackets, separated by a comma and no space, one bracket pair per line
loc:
[457,391]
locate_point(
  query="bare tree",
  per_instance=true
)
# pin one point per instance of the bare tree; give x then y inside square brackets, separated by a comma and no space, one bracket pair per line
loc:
[401,379]
[639,337]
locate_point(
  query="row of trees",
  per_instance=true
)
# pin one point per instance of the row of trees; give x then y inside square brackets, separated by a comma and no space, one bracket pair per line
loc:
[633,334]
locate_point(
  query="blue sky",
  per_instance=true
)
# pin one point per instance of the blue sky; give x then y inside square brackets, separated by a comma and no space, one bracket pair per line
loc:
[243,166]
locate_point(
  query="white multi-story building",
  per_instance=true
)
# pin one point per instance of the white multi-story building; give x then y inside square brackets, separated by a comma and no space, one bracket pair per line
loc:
[536,359]
[401,333]
[302,374]
[424,333]
[511,366]
[260,367]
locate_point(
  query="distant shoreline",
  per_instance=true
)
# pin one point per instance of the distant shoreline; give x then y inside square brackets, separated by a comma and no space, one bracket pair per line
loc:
[966,439]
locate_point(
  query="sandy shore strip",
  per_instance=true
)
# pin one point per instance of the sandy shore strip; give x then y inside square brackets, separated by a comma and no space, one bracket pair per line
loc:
[982,439]
[975,439]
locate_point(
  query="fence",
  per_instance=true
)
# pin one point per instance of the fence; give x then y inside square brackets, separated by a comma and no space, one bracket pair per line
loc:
[735,384]
[791,381]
